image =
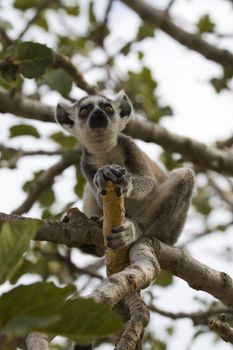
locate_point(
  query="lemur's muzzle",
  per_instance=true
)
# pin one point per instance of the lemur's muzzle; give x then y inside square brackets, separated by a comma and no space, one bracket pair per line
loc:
[98,119]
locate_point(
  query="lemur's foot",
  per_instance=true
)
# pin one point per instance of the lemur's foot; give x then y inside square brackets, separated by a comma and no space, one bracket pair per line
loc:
[122,236]
[116,174]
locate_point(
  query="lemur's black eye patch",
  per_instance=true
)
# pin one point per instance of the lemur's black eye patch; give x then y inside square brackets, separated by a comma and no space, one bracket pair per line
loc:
[107,108]
[85,110]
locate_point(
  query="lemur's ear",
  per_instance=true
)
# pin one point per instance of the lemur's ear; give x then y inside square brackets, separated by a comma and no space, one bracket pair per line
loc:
[64,115]
[124,107]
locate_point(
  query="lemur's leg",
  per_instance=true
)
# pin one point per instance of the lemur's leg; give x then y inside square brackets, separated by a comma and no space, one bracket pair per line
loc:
[91,209]
[165,216]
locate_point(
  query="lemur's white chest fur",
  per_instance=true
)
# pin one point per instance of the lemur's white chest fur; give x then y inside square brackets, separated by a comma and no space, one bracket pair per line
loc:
[114,156]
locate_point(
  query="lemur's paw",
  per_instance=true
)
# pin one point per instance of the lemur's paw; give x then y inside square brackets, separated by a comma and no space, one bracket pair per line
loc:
[116,174]
[122,236]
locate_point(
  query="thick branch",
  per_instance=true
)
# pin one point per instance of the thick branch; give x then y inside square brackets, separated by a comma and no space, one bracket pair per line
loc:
[14,103]
[79,230]
[74,232]
[198,153]
[204,156]
[196,274]
[143,269]
[161,20]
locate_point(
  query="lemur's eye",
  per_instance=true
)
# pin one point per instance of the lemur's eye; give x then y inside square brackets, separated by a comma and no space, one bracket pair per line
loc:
[108,109]
[83,112]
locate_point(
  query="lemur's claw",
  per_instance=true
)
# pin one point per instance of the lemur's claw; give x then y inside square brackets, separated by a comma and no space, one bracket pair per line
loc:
[116,174]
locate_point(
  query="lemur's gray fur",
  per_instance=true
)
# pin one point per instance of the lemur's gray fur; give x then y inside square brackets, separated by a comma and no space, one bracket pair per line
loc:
[156,203]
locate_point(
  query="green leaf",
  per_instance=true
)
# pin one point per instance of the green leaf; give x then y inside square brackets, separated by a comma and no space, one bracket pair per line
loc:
[5,24]
[170,161]
[14,241]
[27,307]
[58,80]
[219,84]
[47,197]
[158,345]
[205,25]
[79,187]
[28,184]
[72,10]
[24,129]
[90,320]
[145,31]
[42,307]
[92,17]
[68,142]
[25,4]
[33,59]
[201,202]
[164,279]
[42,22]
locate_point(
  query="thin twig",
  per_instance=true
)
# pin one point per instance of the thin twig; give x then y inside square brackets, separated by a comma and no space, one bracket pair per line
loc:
[198,318]
[43,182]
[40,7]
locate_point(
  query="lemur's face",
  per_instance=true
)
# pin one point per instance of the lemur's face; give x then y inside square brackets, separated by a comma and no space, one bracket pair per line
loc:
[96,120]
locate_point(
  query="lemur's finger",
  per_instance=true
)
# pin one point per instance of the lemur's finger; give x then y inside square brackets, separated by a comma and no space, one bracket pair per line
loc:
[117,240]
[99,181]
[110,174]
[117,229]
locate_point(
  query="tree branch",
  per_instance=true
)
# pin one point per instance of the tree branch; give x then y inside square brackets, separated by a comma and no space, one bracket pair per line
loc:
[196,274]
[198,318]
[132,336]
[142,270]
[43,182]
[15,103]
[40,7]
[223,330]
[74,232]
[197,152]
[79,230]
[61,61]
[204,156]
[161,20]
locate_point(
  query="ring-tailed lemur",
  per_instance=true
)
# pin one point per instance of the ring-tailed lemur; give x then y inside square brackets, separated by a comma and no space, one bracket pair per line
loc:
[156,203]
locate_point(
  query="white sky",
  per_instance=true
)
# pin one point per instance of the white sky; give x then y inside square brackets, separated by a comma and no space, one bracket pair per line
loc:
[198,112]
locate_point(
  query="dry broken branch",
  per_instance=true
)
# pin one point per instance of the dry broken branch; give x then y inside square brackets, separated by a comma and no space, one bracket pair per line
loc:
[223,330]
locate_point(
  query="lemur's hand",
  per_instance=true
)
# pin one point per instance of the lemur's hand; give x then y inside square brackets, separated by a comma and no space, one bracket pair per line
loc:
[116,174]
[123,236]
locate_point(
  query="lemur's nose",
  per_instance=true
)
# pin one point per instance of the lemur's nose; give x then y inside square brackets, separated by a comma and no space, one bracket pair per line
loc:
[98,119]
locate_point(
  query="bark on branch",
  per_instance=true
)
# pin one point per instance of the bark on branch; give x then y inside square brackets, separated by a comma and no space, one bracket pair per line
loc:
[197,275]
[223,330]
[160,19]
[79,230]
